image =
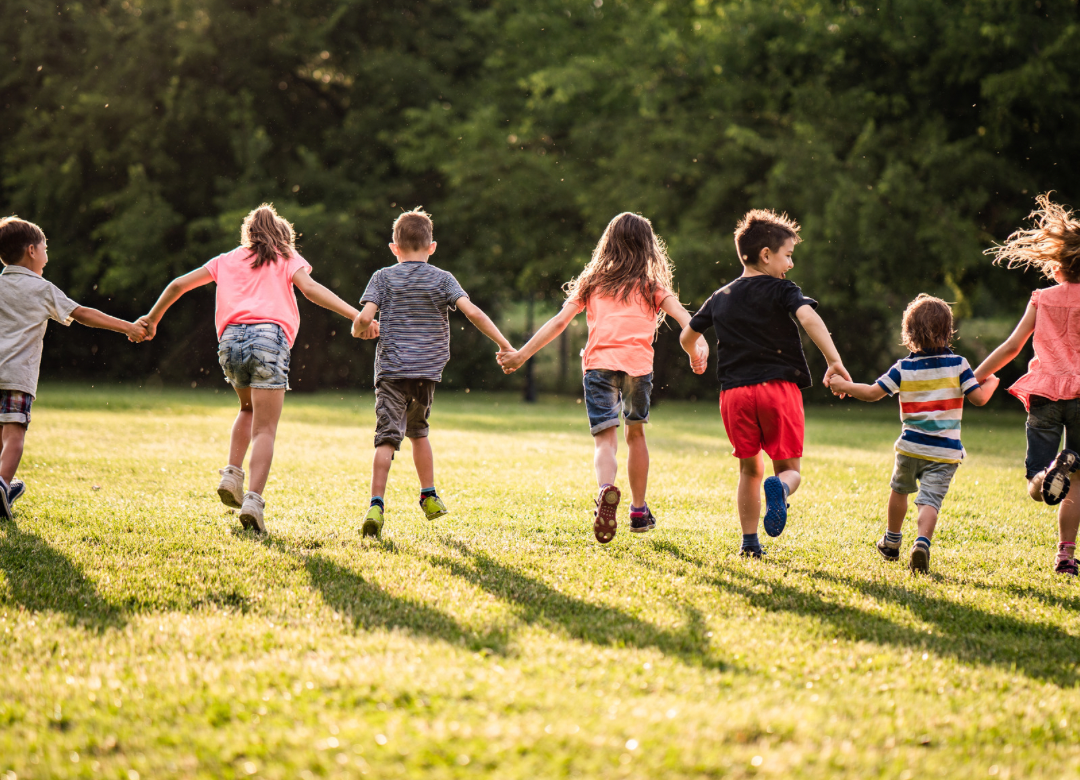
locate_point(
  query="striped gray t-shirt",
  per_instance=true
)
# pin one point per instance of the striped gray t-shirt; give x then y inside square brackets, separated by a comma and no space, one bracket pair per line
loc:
[414,330]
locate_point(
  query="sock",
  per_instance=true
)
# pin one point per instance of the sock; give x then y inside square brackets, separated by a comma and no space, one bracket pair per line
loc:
[1065,552]
[750,541]
[377,501]
[893,540]
[428,493]
[639,509]
[922,539]
[787,490]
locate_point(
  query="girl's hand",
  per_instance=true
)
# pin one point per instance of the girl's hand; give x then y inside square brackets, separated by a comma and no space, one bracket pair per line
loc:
[510,360]
[990,384]
[147,328]
[372,331]
[699,361]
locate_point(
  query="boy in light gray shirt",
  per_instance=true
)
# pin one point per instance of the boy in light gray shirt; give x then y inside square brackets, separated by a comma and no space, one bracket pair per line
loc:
[27,303]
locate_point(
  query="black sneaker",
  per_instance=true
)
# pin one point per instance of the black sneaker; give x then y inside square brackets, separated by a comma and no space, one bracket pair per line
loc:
[752,552]
[887,552]
[1055,484]
[5,504]
[15,492]
[643,521]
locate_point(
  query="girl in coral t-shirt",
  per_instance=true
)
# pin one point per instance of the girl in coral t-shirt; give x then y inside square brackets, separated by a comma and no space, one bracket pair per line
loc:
[257,320]
[625,291]
[1050,390]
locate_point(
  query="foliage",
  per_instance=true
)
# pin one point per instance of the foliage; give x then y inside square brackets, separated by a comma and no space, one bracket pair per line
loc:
[905,135]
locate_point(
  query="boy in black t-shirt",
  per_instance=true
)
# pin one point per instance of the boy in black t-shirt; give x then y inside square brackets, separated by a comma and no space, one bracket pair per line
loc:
[762,368]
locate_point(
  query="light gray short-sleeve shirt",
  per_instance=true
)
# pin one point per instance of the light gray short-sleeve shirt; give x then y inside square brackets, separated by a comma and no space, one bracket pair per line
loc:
[27,303]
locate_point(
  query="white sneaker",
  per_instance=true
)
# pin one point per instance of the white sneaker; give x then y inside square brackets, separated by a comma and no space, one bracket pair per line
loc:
[251,515]
[231,489]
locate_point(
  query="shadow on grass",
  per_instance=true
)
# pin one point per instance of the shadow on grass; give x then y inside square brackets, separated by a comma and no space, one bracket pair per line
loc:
[370,607]
[42,579]
[539,603]
[968,634]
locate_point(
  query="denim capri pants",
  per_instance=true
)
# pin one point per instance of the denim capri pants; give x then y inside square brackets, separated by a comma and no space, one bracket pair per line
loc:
[1047,421]
[255,356]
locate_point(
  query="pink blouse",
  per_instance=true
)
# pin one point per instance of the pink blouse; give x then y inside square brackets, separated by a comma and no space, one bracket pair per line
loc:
[1054,372]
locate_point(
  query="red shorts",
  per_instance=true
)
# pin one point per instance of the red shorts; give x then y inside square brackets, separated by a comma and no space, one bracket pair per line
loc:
[768,416]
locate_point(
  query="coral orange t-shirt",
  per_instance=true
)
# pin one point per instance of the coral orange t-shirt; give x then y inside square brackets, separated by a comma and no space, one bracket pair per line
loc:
[247,295]
[621,333]
[1054,372]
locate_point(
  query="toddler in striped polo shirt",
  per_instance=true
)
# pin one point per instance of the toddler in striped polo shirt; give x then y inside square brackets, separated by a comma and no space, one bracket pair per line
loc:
[932,383]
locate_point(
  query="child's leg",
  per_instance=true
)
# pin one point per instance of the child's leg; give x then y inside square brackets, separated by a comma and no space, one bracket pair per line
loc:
[748,493]
[380,469]
[266,411]
[1044,429]
[897,511]
[927,520]
[12,436]
[788,471]
[637,463]
[606,443]
[424,460]
[240,438]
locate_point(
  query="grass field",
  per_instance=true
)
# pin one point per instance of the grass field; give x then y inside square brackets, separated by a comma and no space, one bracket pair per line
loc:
[144,635]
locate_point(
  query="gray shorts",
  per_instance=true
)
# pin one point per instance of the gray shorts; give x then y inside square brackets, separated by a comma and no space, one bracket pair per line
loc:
[255,356]
[933,479]
[402,407]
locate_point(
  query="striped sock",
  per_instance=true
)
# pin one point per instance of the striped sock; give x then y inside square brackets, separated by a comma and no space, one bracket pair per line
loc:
[1066,551]
[922,539]
[377,501]
[893,540]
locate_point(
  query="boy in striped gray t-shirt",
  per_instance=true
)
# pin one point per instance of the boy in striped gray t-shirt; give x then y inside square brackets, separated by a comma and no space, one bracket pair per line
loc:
[413,300]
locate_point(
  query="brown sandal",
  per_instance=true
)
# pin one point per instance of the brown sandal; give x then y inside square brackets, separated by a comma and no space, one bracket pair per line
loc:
[607,507]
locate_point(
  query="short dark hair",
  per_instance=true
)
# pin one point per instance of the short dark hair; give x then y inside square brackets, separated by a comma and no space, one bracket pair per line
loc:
[928,324]
[16,236]
[413,230]
[761,228]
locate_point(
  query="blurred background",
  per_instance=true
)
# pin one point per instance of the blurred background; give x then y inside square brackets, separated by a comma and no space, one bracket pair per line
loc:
[906,137]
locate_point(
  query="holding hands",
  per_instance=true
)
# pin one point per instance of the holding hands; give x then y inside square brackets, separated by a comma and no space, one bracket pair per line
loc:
[510,360]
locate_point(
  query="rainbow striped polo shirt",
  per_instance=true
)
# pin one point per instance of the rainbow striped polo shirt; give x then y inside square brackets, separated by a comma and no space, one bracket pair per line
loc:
[932,386]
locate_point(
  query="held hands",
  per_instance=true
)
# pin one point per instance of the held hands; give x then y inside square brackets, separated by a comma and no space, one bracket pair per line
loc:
[840,387]
[370,332]
[990,385]
[141,330]
[837,371]
[510,360]
[700,359]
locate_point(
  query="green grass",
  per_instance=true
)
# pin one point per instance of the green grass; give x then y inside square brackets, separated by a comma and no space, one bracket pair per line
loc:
[141,631]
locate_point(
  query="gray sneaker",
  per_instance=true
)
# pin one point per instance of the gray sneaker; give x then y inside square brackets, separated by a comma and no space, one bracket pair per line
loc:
[251,515]
[231,489]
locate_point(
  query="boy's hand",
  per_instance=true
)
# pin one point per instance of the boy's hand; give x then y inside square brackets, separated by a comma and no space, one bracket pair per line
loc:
[839,386]
[135,332]
[990,384]
[699,361]
[835,369]
[510,360]
[148,329]
[372,331]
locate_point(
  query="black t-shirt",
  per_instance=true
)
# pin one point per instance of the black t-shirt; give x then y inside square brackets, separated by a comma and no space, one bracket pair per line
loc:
[756,338]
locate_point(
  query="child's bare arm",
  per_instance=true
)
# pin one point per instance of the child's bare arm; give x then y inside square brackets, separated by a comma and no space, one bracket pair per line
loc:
[985,391]
[1009,348]
[92,318]
[322,296]
[696,348]
[170,295]
[815,328]
[842,387]
[511,361]
[365,323]
[483,323]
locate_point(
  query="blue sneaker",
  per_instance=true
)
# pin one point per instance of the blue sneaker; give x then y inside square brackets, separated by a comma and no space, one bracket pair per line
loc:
[775,506]
[15,492]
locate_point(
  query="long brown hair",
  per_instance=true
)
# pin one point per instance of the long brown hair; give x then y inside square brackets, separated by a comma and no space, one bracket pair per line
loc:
[630,259]
[1053,243]
[267,235]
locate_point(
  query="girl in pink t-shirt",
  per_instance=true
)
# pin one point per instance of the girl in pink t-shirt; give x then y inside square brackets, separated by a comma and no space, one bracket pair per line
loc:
[257,320]
[625,291]
[1050,390]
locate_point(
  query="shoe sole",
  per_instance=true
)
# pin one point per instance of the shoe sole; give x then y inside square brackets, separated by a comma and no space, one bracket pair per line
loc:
[920,560]
[371,528]
[644,530]
[893,555]
[13,498]
[1056,482]
[775,507]
[228,499]
[437,514]
[605,523]
[252,522]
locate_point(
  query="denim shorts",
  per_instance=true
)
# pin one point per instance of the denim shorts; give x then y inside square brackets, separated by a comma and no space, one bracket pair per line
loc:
[1047,421]
[255,356]
[606,391]
[933,479]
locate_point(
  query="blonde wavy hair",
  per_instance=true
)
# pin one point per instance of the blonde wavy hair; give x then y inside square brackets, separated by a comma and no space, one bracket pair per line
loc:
[1052,243]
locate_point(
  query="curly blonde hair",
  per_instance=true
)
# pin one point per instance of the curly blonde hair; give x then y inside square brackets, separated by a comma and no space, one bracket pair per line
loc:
[1053,243]
[629,259]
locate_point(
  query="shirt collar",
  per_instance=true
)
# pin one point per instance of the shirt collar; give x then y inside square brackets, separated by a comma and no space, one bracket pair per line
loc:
[17,269]
[931,353]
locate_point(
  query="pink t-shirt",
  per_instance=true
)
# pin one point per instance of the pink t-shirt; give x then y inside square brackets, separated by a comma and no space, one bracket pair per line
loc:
[1054,372]
[621,333]
[247,295]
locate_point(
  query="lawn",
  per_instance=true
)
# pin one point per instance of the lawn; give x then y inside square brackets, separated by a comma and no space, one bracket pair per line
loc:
[143,634]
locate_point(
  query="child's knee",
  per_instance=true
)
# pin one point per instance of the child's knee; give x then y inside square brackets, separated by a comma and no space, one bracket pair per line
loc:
[635,433]
[753,468]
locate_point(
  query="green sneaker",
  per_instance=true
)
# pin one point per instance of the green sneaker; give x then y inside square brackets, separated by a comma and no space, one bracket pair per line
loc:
[373,523]
[433,507]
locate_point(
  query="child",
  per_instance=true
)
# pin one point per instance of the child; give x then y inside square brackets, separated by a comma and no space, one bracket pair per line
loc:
[1050,390]
[27,303]
[932,383]
[412,299]
[257,320]
[625,291]
[761,367]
